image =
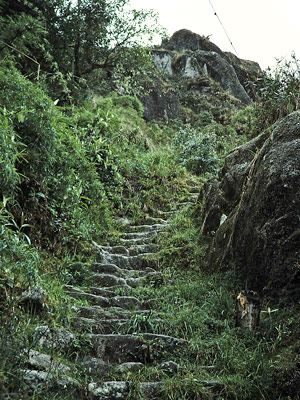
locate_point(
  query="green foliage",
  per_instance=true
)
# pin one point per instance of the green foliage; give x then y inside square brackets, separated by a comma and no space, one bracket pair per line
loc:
[129,102]
[11,151]
[278,93]
[245,121]
[31,115]
[196,151]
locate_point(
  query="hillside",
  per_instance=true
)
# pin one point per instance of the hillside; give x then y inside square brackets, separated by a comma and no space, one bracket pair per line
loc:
[140,195]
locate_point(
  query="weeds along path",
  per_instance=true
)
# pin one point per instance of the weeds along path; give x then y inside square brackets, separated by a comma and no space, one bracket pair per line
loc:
[116,339]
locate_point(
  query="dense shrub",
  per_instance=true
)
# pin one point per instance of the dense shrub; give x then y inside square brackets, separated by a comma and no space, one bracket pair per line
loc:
[278,93]
[196,151]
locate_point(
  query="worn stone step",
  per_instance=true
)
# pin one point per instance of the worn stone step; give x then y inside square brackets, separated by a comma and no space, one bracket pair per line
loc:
[139,235]
[135,282]
[143,347]
[101,292]
[92,312]
[91,298]
[126,302]
[112,269]
[164,213]
[154,220]
[130,367]
[147,228]
[125,262]
[107,280]
[142,248]
[138,241]
[121,390]
[114,249]
[99,326]
[54,339]
[98,313]
[37,380]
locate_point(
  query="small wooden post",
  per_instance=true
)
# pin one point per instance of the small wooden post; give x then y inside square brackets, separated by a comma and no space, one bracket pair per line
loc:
[247,309]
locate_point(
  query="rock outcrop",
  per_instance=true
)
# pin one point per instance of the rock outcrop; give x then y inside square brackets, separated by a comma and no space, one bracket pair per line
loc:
[257,202]
[199,65]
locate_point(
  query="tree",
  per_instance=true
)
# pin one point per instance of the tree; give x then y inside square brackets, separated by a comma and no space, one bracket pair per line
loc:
[102,40]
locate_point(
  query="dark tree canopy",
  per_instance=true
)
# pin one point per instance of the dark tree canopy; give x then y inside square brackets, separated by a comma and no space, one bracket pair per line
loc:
[86,39]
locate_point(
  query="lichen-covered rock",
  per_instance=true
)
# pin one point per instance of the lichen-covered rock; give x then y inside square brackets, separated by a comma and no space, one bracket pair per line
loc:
[163,61]
[261,236]
[109,390]
[185,39]
[54,339]
[161,103]
[38,380]
[221,196]
[95,366]
[45,362]
[34,298]
[246,71]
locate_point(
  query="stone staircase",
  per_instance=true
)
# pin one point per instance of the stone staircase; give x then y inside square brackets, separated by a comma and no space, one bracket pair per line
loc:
[105,322]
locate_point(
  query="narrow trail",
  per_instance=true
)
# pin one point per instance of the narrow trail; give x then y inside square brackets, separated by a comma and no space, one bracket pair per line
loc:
[106,322]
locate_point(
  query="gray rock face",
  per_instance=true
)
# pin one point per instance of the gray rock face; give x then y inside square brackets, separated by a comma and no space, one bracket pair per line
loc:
[261,235]
[44,362]
[184,39]
[59,339]
[109,390]
[119,348]
[163,61]
[162,103]
[34,298]
[37,380]
[95,366]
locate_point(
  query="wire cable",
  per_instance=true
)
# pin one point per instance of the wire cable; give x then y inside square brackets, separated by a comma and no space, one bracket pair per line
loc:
[236,53]
[228,37]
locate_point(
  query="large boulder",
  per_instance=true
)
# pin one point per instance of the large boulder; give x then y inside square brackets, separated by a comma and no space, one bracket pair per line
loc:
[161,103]
[184,39]
[193,72]
[260,237]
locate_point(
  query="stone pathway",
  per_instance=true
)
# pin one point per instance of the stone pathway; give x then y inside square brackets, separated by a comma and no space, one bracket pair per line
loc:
[106,321]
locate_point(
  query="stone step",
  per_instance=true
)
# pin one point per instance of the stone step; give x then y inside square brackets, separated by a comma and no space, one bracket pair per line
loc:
[121,390]
[139,235]
[154,221]
[112,269]
[147,228]
[98,313]
[107,280]
[37,380]
[139,261]
[114,249]
[99,326]
[92,312]
[165,214]
[143,347]
[142,248]
[91,298]
[126,302]
[101,292]
[138,241]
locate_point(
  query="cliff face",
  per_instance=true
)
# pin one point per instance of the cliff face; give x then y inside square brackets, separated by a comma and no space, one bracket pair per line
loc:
[253,211]
[193,70]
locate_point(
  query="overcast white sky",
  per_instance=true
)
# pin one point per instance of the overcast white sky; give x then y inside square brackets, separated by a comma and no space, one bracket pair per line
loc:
[260,30]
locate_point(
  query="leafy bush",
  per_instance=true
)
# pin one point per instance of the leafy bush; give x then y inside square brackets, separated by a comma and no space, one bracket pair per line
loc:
[278,93]
[130,102]
[196,151]
[11,151]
